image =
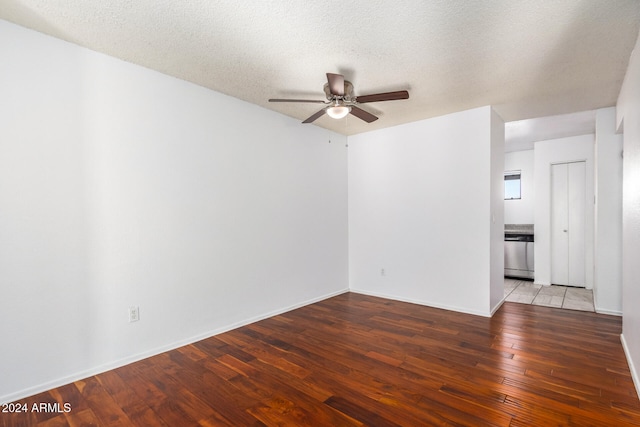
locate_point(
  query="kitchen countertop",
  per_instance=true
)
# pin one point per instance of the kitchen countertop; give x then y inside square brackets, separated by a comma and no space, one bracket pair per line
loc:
[518,228]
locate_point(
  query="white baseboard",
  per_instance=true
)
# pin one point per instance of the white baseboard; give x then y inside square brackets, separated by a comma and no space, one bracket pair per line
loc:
[421,302]
[497,307]
[610,312]
[30,391]
[632,366]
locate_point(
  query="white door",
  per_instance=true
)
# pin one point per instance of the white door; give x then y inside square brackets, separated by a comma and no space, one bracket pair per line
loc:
[568,204]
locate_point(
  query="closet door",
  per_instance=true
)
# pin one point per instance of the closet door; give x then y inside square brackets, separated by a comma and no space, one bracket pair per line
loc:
[577,206]
[559,225]
[568,204]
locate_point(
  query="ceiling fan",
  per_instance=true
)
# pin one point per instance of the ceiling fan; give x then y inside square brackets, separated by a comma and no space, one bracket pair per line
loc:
[341,100]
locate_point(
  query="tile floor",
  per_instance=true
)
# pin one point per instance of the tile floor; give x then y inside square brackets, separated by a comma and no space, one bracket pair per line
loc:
[527,292]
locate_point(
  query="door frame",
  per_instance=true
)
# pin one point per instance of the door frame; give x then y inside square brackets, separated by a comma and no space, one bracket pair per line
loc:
[561,150]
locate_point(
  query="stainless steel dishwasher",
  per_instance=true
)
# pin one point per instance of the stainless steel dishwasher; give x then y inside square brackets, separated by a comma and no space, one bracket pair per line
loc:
[518,254]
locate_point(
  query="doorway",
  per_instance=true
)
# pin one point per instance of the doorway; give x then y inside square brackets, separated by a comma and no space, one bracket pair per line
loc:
[568,207]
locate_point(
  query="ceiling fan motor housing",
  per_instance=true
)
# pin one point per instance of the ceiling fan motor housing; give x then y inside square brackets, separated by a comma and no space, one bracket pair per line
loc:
[348,92]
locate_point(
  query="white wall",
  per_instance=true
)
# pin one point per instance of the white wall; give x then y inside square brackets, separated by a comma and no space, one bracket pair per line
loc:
[521,211]
[420,208]
[607,286]
[496,184]
[628,110]
[121,186]
[576,148]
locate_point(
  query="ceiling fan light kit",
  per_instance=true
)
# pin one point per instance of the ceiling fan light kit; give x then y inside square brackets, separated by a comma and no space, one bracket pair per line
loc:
[339,93]
[338,111]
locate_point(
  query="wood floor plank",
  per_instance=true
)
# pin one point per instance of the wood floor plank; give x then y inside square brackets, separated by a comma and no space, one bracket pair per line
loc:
[83,418]
[355,360]
[102,404]
[137,410]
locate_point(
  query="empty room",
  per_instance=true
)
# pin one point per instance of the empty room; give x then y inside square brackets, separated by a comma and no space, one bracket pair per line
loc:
[381,213]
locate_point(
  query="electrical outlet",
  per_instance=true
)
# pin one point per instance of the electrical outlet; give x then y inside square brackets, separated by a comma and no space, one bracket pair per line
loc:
[134,313]
[382,273]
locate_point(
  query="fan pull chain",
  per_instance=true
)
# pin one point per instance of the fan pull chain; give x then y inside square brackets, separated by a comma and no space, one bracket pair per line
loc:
[346,128]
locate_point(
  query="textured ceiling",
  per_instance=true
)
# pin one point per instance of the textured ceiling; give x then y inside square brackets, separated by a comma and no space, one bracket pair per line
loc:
[527,58]
[522,134]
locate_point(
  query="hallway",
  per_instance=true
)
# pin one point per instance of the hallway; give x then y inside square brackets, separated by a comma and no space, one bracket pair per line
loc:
[527,292]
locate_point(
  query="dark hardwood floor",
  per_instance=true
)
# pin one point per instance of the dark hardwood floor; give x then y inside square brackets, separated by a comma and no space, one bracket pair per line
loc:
[357,360]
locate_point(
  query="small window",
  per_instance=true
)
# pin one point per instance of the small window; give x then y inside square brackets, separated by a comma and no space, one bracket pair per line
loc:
[512,185]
